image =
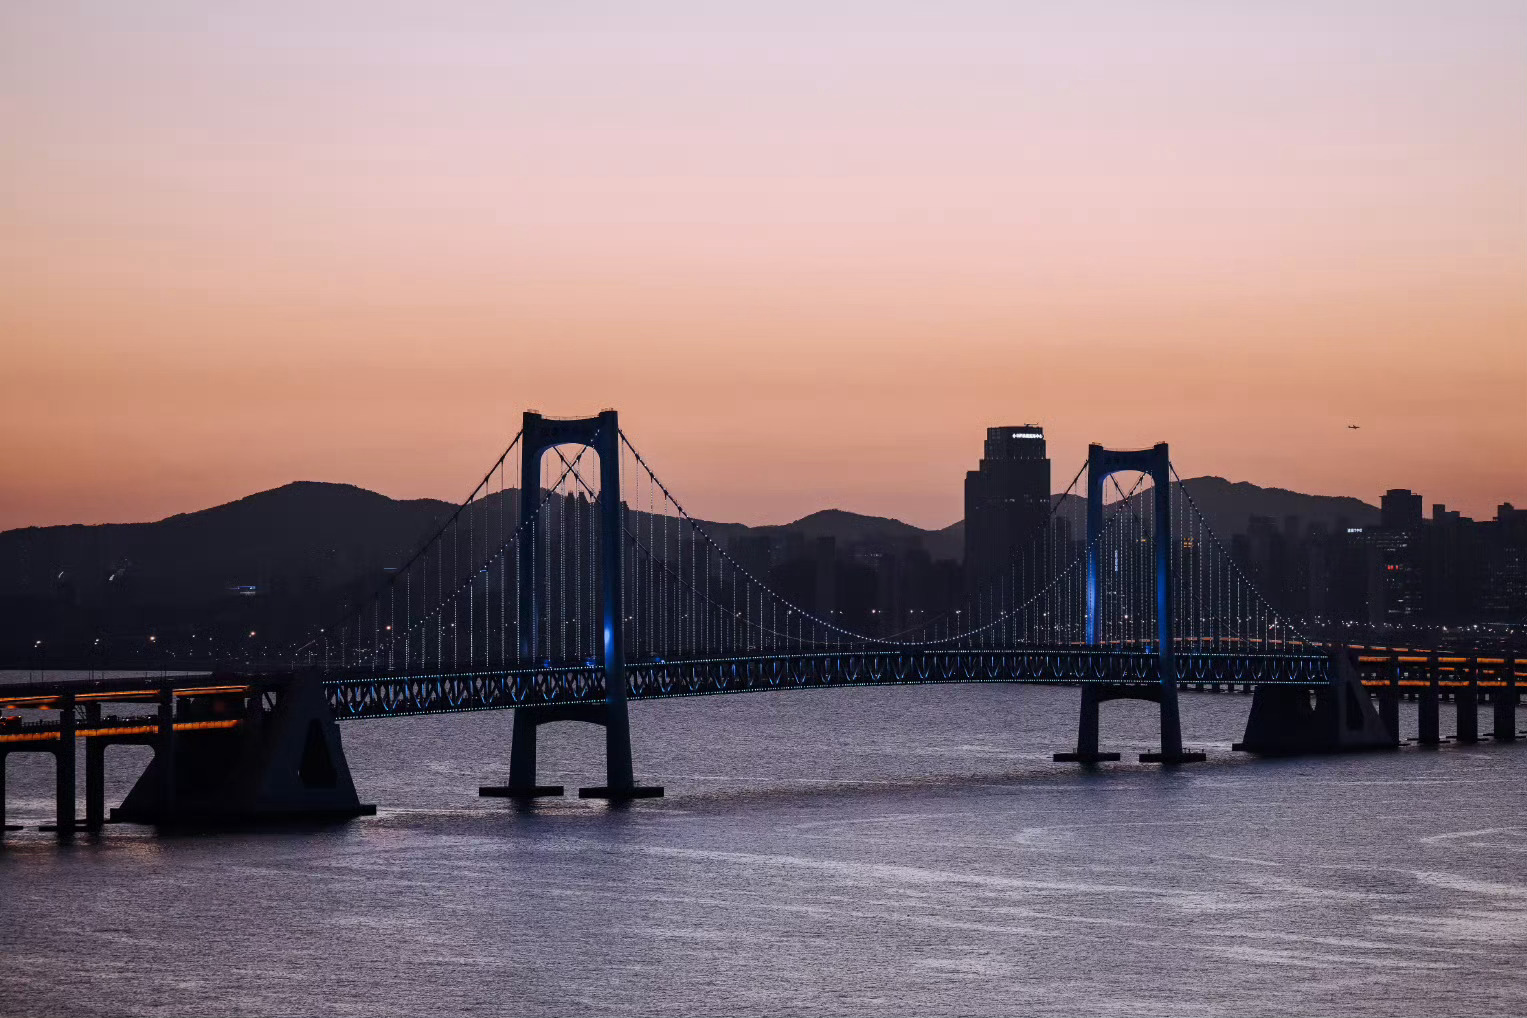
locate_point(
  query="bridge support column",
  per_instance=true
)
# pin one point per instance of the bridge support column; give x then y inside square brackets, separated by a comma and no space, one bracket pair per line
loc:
[64,772]
[1086,751]
[3,825]
[1095,694]
[95,784]
[619,784]
[522,761]
[95,772]
[1428,728]
[164,752]
[1467,703]
[1389,702]
[1504,702]
[1171,730]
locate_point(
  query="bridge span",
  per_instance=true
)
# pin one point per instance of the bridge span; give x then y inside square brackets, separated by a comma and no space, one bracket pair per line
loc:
[572,581]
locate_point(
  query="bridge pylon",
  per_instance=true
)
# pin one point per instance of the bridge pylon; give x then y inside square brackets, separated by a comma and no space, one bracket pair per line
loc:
[538,436]
[1156,463]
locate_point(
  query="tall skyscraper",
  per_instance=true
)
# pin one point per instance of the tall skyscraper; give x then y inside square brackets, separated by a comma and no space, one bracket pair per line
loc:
[1007,502]
[1401,509]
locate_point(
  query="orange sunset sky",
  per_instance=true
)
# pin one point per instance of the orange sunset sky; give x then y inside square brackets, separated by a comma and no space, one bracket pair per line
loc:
[809,250]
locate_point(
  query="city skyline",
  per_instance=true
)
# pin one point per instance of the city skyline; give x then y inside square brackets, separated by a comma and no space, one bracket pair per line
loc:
[810,256]
[1372,501]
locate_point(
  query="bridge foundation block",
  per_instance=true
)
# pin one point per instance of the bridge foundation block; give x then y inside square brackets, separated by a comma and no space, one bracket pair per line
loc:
[619,781]
[1182,756]
[280,765]
[1082,757]
[1095,694]
[1338,717]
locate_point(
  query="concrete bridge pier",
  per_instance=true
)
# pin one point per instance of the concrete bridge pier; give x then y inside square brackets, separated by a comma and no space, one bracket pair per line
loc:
[164,752]
[1171,726]
[5,752]
[1086,751]
[1095,694]
[522,752]
[1337,717]
[64,771]
[3,825]
[1503,699]
[1389,702]
[522,756]
[620,783]
[1428,705]
[95,772]
[239,763]
[62,751]
[95,784]
[1466,702]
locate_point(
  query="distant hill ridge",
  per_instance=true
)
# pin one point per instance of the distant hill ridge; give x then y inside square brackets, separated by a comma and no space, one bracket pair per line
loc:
[307,534]
[311,535]
[1229,505]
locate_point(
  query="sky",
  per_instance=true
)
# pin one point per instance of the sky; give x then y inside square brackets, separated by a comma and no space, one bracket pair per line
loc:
[810,251]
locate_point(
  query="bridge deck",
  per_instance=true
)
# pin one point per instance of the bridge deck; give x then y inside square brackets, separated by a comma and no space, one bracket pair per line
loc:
[366,694]
[360,695]
[196,691]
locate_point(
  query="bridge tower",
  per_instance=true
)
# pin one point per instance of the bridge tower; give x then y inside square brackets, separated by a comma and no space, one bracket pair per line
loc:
[1156,463]
[538,436]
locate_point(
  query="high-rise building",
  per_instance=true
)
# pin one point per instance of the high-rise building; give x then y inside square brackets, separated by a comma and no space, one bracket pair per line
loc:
[1393,560]
[1400,509]
[1007,504]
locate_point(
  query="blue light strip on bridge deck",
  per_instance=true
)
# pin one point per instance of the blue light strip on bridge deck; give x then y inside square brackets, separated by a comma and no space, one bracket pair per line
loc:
[827,670]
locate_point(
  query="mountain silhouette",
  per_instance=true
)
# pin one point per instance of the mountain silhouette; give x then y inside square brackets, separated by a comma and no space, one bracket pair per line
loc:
[285,556]
[303,535]
[311,535]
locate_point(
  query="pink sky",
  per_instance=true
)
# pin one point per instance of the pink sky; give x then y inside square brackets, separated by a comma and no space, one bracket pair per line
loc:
[809,256]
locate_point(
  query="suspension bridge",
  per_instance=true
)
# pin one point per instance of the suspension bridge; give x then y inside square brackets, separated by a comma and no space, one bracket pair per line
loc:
[572,581]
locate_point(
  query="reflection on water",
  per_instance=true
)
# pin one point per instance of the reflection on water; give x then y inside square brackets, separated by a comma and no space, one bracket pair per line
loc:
[906,851]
